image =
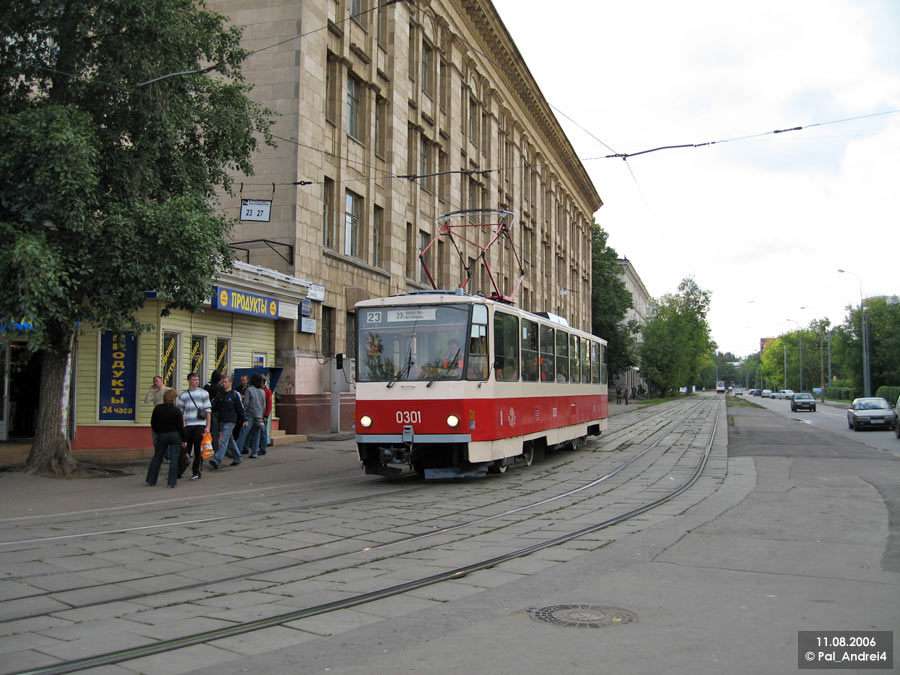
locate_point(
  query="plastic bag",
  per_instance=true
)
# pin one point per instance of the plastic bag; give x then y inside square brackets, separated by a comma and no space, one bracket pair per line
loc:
[206,448]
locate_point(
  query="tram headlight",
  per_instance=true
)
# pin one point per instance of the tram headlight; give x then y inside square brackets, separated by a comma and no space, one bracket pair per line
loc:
[365,421]
[452,421]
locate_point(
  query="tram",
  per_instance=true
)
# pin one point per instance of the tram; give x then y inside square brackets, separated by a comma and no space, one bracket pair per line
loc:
[454,385]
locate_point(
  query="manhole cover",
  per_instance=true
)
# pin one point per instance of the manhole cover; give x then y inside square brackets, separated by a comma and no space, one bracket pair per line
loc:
[583,616]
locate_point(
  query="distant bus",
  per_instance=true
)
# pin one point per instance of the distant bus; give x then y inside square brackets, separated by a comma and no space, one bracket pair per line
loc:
[720,387]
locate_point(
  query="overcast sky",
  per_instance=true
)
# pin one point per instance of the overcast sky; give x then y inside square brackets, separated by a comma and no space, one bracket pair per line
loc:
[763,223]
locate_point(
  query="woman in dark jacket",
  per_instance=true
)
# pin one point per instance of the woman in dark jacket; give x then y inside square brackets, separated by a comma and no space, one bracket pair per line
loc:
[167,422]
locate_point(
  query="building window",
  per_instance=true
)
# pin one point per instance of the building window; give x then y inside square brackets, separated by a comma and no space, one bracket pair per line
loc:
[351,224]
[198,356]
[412,51]
[380,126]
[425,180]
[377,236]
[356,10]
[331,79]
[353,106]
[329,223]
[443,84]
[428,69]
[381,27]
[410,251]
[444,177]
[327,331]
[474,119]
[223,355]
[169,360]
[350,339]
[473,194]
[424,239]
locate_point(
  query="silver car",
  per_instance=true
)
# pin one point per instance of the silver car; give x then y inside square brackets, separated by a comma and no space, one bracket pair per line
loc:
[875,413]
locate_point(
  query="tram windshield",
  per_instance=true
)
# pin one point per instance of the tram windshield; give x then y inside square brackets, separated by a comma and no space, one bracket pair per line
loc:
[412,342]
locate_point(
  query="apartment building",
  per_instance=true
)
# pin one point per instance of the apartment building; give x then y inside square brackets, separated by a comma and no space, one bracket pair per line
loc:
[387,116]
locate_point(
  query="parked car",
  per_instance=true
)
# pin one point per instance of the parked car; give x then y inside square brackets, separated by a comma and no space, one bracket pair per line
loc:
[754,392]
[874,412]
[766,393]
[897,418]
[803,401]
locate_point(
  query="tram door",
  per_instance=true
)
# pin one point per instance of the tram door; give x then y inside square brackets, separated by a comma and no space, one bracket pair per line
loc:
[4,391]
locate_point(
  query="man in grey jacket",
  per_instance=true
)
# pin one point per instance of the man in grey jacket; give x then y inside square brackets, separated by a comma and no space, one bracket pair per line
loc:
[255,407]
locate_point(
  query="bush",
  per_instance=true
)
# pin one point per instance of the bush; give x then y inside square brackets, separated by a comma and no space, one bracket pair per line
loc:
[841,393]
[890,393]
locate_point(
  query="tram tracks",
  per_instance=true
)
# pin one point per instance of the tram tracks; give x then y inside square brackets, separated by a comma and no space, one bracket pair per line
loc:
[454,573]
[367,547]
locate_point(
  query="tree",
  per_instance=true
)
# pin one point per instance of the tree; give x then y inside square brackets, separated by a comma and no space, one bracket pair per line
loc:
[676,344]
[108,170]
[610,300]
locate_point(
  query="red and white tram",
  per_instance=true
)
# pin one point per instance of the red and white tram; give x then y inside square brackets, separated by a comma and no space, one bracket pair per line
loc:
[457,385]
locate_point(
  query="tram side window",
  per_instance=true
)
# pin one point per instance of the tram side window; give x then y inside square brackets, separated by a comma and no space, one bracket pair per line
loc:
[548,356]
[506,347]
[574,358]
[530,356]
[585,362]
[477,368]
[603,373]
[562,356]
[595,362]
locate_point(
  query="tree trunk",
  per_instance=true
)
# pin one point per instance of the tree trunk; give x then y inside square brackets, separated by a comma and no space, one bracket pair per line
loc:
[51,453]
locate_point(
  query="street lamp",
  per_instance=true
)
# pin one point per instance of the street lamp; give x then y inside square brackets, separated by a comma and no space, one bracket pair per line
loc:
[867,386]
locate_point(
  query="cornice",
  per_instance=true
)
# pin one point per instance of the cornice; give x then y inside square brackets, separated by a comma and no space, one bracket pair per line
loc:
[498,44]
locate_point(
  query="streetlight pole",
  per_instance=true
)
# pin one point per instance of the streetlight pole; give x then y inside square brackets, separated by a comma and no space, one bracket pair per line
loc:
[867,386]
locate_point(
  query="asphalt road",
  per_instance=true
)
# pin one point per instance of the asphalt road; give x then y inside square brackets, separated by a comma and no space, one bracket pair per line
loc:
[832,417]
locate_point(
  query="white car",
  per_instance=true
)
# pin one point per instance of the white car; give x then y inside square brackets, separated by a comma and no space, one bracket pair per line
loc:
[766,393]
[783,393]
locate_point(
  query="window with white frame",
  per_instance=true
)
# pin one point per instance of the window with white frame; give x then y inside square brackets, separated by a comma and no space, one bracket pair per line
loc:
[351,224]
[353,107]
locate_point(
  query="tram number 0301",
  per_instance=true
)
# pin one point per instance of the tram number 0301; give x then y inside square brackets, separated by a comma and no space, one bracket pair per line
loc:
[408,417]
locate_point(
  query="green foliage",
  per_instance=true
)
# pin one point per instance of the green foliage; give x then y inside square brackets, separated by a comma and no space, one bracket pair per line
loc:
[889,393]
[676,342]
[610,300]
[842,393]
[118,121]
[105,183]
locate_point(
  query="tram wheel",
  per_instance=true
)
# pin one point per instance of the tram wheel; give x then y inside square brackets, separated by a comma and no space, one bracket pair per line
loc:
[528,454]
[418,466]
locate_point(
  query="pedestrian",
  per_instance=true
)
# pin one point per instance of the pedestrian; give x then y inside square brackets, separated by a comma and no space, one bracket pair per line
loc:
[255,407]
[267,419]
[627,394]
[618,394]
[242,387]
[195,405]
[230,410]
[167,422]
[214,388]
[155,396]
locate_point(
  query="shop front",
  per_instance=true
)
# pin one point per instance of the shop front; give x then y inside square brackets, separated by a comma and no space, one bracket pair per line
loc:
[237,329]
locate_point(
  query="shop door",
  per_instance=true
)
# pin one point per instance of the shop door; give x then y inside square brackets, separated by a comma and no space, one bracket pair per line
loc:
[4,391]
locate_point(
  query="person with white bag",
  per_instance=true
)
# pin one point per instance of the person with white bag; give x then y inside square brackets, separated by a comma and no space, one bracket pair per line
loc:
[197,409]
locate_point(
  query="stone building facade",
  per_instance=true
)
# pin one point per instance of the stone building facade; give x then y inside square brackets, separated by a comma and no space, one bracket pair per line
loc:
[637,313]
[387,116]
